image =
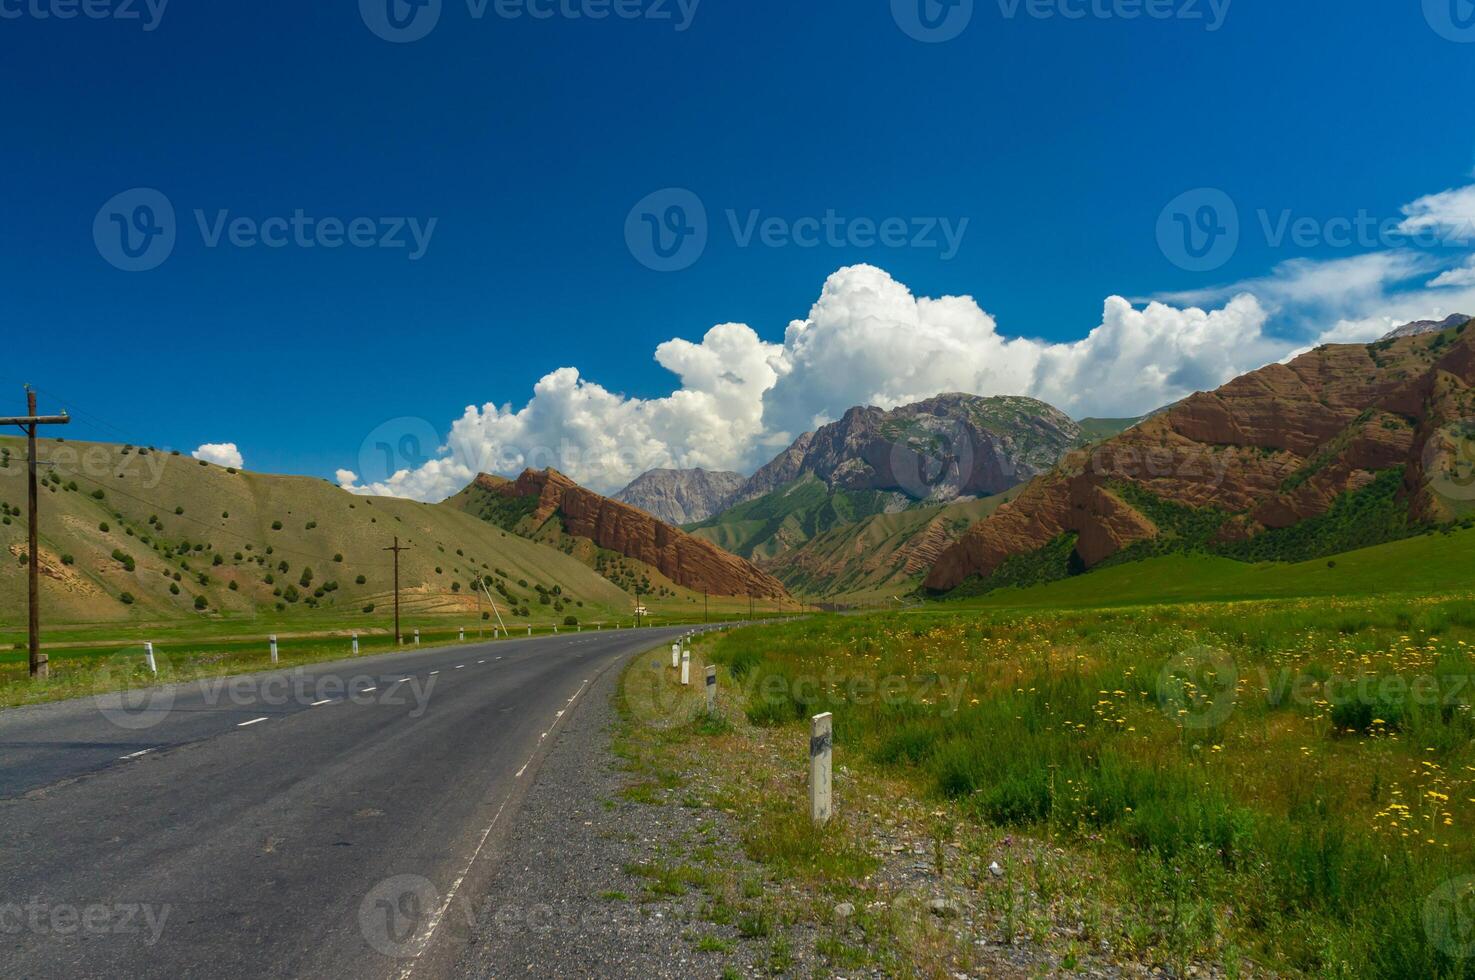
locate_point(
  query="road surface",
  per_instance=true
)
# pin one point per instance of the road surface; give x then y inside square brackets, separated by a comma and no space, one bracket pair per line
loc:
[334,820]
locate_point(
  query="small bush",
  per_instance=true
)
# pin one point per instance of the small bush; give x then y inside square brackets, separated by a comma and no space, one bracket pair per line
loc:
[126,598]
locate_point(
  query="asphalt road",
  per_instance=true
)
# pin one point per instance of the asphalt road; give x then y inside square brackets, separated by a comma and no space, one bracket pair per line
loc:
[325,821]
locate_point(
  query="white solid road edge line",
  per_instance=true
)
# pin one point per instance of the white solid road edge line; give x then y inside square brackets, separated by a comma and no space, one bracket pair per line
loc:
[253,721]
[424,941]
[556,719]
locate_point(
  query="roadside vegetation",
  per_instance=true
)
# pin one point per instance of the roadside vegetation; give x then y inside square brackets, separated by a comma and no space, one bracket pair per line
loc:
[1272,786]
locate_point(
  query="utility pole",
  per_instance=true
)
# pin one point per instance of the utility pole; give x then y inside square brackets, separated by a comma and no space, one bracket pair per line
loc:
[40,668]
[396,549]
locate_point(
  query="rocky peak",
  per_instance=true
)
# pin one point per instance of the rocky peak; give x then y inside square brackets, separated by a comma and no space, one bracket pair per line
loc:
[1426,326]
[682,496]
[949,446]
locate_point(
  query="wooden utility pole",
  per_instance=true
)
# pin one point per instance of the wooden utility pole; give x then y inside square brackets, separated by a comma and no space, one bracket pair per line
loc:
[40,668]
[396,549]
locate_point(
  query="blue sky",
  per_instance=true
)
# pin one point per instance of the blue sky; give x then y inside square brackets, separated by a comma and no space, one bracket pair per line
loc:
[528,141]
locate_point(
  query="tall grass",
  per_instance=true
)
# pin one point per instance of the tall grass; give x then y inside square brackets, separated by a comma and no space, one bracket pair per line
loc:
[1314,815]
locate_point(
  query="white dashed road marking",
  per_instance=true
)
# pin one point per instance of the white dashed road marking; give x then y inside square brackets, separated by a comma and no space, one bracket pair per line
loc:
[135,755]
[253,721]
[323,701]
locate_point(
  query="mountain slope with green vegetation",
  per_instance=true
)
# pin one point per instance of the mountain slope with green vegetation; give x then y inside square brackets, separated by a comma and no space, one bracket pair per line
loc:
[878,557]
[767,526]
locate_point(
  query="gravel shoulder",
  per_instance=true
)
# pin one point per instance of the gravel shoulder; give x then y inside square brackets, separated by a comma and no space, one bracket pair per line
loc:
[658,841]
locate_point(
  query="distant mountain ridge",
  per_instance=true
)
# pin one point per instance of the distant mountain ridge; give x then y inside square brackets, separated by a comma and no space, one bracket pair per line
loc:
[949,446]
[682,496]
[1345,446]
[937,450]
[1419,327]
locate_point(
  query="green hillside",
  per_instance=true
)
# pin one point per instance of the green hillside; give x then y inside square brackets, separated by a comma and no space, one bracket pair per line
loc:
[879,556]
[131,535]
[766,527]
[1433,563]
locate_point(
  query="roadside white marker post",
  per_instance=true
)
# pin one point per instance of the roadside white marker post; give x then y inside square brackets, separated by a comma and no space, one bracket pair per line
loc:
[273,648]
[417,637]
[675,655]
[530,629]
[355,644]
[711,690]
[463,634]
[148,656]
[555,627]
[821,752]
[686,668]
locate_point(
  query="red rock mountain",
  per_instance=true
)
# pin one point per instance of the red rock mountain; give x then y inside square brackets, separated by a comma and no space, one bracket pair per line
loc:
[1271,448]
[687,561]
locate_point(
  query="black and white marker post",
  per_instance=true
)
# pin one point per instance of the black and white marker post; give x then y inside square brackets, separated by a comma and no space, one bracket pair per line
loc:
[711,690]
[821,751]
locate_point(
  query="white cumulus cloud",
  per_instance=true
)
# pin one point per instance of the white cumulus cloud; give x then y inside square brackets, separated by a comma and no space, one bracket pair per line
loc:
[219,453]
[868,340]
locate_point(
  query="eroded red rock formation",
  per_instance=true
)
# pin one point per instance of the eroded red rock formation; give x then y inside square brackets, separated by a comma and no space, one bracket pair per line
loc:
[687,561]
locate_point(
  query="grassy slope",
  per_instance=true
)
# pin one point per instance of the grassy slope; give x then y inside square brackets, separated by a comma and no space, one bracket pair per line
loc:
[769,525]
[1430,563]
[232,513]
[865,561]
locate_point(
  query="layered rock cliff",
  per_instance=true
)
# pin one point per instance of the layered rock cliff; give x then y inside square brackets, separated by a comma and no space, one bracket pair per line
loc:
[687,561]
[1269,449]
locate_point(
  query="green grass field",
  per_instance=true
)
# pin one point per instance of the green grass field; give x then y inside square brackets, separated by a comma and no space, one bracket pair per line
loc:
[1273,764]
